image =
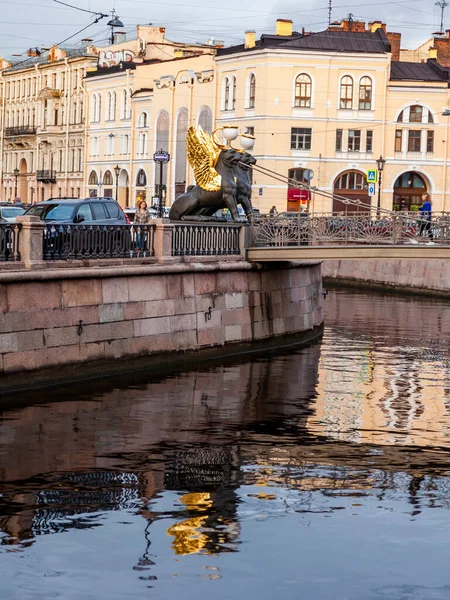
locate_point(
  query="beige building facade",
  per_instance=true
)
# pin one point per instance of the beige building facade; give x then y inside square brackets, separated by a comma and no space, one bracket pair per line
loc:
[334,102]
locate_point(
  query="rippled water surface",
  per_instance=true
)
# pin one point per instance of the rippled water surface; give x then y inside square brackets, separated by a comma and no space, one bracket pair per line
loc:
[322,473]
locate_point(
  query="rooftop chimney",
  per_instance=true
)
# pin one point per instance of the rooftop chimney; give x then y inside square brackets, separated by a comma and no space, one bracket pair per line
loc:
[284,27]
[432,53]
[250,39]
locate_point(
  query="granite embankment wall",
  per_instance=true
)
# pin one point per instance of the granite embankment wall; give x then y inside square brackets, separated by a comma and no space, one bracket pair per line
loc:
[51,319]
[431,277]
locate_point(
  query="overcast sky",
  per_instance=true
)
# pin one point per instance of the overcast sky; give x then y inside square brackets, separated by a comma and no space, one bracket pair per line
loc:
[26,24]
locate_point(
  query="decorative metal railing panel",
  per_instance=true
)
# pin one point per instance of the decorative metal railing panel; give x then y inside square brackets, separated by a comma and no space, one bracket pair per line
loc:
[9,241]
[206,240]
[75,242]
[355,228]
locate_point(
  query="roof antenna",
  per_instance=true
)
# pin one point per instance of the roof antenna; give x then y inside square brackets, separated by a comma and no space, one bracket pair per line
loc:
[442,5]
[330,7]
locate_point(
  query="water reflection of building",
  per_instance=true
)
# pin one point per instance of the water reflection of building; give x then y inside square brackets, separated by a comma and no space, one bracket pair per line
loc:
[390,393]
[117,448]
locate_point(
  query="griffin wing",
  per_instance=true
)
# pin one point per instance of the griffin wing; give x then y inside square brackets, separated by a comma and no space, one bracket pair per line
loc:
[202,154]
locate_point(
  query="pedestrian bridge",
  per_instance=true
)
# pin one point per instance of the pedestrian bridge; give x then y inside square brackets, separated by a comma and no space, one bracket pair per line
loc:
[349,237]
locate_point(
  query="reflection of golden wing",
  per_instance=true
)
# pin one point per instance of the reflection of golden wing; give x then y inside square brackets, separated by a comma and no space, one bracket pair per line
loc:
[202,155]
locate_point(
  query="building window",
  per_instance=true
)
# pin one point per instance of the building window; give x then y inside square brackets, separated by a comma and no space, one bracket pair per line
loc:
[414,140]
[111,109]
[339,140]
[365,94]
[301,138]
[430,141]
[346,94]
[369,141]
[226,98]
[415,114]
[93,179]
[141,179]
[398,140]
[107,179]
[303,88]
[143,120]
[251,91]
[250,130]
[351,180]
[205,119]
[233,93]
[354,140]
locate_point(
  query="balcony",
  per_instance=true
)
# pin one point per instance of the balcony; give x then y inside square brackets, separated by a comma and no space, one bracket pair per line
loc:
[16,131]
[46,176]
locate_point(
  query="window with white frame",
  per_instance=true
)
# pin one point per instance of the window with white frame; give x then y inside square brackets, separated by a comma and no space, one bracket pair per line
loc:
[226,94]
[251,91]
[111,107]
[365,94]
[142,143]
[346,93]
[301,138]
[143,120]
[303,90]
[233,93]
[354,140]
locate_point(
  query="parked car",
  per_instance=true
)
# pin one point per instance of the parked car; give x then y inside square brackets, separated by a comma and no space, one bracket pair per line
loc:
[8,213]
[93,211]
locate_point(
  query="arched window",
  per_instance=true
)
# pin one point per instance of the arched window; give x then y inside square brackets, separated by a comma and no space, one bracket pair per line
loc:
[365,94]
[415,114]
[107,178]
[143,120]
[233,93]
[251,91]
[180,151]
[162,137]
[352,181]
[93,107]
[303,86]
[126,108]
[141,179]
[226,96]
[346,93]
[93,178]
[142,143]
[205,119]
[111,106]
[98,108]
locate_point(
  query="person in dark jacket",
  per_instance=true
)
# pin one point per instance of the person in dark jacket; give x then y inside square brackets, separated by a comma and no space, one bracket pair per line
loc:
[425,216]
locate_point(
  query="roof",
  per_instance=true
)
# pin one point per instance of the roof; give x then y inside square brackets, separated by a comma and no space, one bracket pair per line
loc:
[43,58]
[411,71]
[322,41]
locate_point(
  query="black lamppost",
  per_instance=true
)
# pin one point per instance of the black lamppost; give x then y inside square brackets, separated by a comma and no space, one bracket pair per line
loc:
[117,172]
[16,176]
[380,166]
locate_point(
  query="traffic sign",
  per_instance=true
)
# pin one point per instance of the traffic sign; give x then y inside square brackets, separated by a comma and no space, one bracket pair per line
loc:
[372,176]
[308,174]
[371,189]
[161,157]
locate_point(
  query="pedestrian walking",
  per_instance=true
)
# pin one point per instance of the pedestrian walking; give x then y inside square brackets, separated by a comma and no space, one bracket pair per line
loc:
[142,217]
[273,211]
[425,218]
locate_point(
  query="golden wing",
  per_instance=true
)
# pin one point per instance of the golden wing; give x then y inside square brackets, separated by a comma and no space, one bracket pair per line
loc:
[202,155]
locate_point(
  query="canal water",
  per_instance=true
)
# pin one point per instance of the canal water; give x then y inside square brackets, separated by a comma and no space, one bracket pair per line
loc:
[320,473]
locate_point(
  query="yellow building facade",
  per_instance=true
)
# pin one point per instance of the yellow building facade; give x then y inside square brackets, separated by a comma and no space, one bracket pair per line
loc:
[334,102]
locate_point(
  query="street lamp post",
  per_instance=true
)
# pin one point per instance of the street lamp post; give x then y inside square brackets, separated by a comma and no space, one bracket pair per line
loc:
[380,165]
[16,176]
[117,172]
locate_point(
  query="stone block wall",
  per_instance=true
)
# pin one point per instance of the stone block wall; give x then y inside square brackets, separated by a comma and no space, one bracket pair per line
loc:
[64,317]
[417,276]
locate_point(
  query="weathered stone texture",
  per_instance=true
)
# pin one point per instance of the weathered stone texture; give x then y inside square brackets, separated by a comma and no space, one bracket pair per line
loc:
[124,316]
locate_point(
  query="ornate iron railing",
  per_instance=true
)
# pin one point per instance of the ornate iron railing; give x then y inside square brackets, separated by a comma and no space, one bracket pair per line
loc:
[46,176]
[75,242]
[23,130]
[356,228]
[9,241]
[206,240]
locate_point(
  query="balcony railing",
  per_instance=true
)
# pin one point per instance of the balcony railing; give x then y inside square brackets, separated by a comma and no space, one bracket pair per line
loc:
[206,240]
[75,242]
[15,131]
[9,241]
[46,176]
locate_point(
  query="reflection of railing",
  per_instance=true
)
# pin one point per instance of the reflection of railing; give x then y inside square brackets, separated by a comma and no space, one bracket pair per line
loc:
[206,240]
[72,242]
[359,228]
[9,241]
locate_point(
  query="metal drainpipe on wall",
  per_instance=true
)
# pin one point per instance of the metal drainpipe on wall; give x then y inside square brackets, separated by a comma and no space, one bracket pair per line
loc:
[86,115]
[67,115]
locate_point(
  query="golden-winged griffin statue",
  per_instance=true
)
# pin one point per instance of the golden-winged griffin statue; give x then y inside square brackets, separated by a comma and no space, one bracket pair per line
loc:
[222,177]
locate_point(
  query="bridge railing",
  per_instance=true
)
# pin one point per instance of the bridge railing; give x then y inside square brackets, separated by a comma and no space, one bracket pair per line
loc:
[206,239]
[9,241]
[355,228]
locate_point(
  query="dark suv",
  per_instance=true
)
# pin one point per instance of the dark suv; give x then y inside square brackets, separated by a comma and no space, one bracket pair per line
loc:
[92,211]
